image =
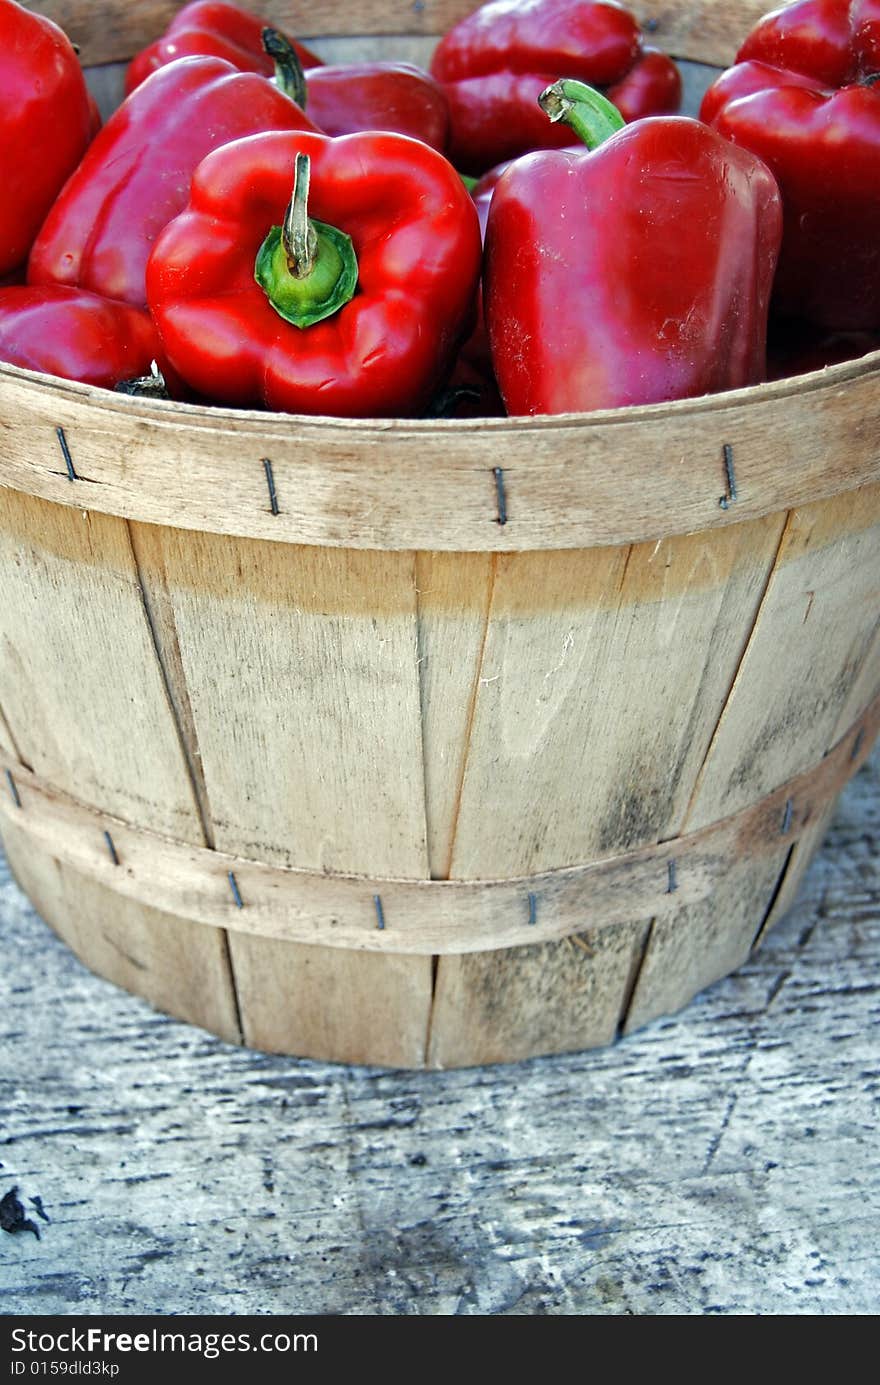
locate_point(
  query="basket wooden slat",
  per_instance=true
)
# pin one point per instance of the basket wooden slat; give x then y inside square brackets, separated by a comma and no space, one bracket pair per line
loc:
[174,964]
[299,666]
[550,998]
[71,604]
[602,676]
[682,960]
[814,705]
[73,622]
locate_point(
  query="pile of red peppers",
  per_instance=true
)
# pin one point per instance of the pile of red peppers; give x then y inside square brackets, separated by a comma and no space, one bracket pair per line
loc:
[529,227]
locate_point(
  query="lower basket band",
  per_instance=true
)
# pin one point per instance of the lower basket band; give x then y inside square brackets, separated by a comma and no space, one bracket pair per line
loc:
[421,916]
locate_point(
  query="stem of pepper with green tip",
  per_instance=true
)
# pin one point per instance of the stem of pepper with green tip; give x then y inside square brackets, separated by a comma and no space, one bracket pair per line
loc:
[289,75]
[307,269]
[590,114]
[298,235]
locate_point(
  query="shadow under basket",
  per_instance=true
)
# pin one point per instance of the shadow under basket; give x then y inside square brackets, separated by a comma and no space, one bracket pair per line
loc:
[431,743]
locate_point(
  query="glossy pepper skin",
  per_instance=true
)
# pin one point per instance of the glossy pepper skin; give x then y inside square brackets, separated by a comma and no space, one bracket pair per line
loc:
[340,99]
[801,96]
[76,335]
[45,124]
[416,237]
[495,63]
[209,28]
[378,96]
[135,176]
[651,87]
[634,273]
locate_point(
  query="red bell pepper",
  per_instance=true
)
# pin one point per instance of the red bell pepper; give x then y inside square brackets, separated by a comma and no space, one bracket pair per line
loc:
[635,273]
[341,99]
[349,298]
[495,63]
[834,41]
[651,87]
[135,176]
[804,95]
[45,124]
[76,335]
[378,96]
[206,28]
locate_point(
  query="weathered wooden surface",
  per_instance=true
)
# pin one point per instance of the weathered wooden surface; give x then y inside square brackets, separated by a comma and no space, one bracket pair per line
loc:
[419,484]
[723,1161]
[73,610]
[577,712]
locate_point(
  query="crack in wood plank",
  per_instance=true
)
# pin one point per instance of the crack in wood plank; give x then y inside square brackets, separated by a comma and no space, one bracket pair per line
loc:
[472,710]
[698,780]
[166,644]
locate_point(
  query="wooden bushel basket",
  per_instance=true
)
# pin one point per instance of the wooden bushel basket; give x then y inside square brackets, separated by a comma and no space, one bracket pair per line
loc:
[499,738]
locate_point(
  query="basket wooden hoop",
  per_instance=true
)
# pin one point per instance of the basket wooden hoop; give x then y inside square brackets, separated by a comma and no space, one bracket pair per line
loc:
[424,917]
[615,477]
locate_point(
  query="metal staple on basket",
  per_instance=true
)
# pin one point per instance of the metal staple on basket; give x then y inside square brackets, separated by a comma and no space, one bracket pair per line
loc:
[236,893]
[727,500]
[13,788]
[65,452]
[270,482]
[498,473]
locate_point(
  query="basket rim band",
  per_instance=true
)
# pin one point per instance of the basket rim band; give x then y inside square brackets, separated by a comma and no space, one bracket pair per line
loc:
[420,916]
[498,485]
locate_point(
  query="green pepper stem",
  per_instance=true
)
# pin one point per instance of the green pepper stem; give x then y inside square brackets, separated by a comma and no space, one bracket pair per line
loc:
[590,114]
[307,269]
[297,233]
[289,75]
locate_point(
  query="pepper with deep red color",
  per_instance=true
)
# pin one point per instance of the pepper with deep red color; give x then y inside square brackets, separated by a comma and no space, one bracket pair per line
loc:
[340,98]
[210,28]
[633,272]
[495,63]
[804,95]
[77,335]
[349,297]
[45,124]
[378,96]
[136,174]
